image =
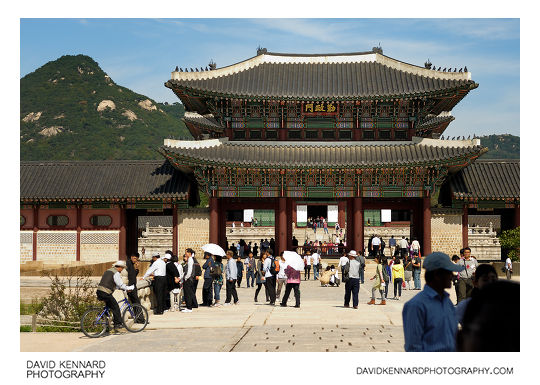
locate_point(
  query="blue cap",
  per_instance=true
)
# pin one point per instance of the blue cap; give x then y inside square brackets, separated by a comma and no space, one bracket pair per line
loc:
[438,260]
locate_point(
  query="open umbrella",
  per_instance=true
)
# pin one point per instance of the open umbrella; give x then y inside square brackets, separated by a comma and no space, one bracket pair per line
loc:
[213,249]
[293,260]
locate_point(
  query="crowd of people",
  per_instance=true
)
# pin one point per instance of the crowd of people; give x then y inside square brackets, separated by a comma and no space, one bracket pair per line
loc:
[431,322]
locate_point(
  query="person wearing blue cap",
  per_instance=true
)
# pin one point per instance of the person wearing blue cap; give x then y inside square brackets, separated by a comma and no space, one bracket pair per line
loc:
[429,321]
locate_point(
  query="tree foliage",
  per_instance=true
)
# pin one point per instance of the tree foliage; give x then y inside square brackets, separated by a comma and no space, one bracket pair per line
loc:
[510,243]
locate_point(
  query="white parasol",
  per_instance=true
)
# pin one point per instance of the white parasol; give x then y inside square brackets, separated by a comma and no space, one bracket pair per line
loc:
[213,249]
[293,260]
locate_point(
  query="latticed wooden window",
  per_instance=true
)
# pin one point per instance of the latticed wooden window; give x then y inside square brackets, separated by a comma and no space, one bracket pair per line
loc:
[345,134]
[295,134]
[255,134]
[311,134]
[401,134]
[271,134]
[239,134]
[368,134]
[328,134]
[57,220]
[100,220]
[384,134]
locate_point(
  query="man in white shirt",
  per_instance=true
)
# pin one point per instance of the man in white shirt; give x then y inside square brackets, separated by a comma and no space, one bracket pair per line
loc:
[508,268]
[403,246]
[158,271]
[376,244]
[415,246]
[343,261]
[189,283]
[110,281]
[316,258]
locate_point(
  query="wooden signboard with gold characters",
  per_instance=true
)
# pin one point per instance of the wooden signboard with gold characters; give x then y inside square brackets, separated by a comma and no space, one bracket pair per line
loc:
[319,108]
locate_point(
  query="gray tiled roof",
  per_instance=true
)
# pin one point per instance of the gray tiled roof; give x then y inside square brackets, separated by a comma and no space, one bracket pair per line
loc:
[314,76]
[432,121]
[101,180]
[321,154]
[487,179]
[207,121]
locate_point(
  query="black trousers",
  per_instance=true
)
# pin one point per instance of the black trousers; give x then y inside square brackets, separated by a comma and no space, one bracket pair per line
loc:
[189,294]
[230,288]
[270,283]
[160,288]
[307,269]
[403,253]
[352,286]
[133,296]
[239,280]
[112,305]
[288,288]
[207,291]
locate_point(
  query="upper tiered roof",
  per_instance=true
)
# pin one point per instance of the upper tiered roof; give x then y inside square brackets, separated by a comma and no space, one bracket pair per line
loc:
[360,75]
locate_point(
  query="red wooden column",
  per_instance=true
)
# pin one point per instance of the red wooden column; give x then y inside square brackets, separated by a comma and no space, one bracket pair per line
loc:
[289,221]
[78,253]
[175,229]
[426,210]
[465,226]
[350,227]
[358,225]
[342,205]
[34,234]
[281,225]
[122,236]
[214,220]
[516,216]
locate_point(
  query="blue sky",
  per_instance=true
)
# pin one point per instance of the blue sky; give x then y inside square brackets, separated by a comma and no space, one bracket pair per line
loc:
[141,53]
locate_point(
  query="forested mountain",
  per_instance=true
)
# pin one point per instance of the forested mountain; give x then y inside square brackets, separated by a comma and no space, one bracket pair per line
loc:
[72,110]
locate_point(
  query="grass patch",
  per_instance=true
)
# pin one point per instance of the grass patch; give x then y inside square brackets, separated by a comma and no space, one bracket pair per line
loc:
[31,308]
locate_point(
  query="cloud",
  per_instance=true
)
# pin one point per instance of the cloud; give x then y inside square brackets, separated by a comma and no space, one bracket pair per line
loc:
[487,29]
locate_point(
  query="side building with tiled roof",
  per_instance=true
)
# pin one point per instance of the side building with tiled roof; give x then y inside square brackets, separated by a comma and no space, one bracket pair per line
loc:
[86,211]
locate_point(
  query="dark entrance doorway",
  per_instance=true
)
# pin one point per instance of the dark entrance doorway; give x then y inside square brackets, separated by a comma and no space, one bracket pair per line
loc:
[148,231]
[317,211]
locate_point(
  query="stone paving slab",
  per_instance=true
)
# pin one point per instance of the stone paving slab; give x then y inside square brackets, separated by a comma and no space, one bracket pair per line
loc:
[321,324]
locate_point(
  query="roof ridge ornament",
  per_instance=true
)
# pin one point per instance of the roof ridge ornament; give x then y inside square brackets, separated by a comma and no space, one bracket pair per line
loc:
[261,51]
[428,64]
[378,49]
[212,65]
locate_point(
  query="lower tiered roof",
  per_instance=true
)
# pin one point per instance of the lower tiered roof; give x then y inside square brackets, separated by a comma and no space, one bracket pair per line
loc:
[282,154]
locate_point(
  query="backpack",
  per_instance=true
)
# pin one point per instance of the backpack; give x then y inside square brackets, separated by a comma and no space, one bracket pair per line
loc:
[197,271]
[385,275]
[345,272]
[274,267]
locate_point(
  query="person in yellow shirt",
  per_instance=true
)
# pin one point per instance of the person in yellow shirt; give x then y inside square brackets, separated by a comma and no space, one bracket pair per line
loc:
[397,275]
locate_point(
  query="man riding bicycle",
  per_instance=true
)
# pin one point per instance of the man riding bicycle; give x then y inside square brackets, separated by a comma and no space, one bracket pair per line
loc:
[110,281]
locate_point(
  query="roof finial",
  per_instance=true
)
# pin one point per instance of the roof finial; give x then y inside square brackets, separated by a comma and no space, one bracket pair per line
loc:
[261,51]
[427,64]
[176,69]
[378,49]
[212,65]
[465,69]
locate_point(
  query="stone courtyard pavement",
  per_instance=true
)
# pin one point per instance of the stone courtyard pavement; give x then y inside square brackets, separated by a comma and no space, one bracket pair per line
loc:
[321,324]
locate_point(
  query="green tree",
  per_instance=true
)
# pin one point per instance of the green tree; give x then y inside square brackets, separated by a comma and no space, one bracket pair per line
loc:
[510,243]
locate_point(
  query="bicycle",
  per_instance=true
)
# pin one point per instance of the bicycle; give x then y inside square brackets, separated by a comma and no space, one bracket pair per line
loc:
[96,321]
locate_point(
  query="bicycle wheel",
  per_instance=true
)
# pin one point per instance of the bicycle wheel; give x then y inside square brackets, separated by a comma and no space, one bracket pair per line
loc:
[93,323]
[135,318]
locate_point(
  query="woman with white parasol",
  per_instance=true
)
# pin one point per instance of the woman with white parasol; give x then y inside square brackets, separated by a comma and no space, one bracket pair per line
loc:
[294,264]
